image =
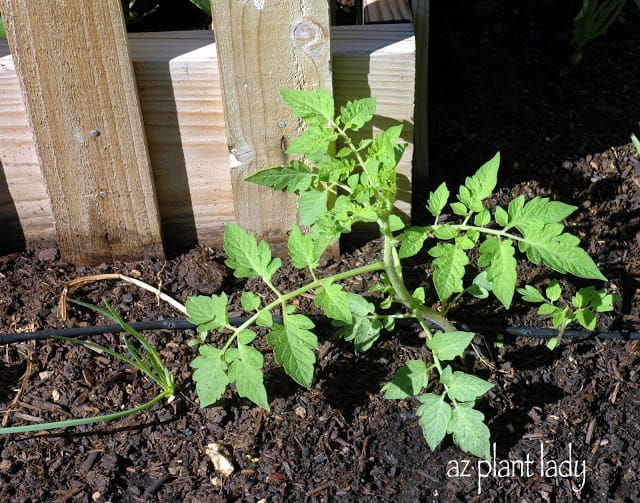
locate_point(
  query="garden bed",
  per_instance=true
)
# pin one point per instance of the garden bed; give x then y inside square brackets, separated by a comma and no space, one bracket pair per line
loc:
[499,80]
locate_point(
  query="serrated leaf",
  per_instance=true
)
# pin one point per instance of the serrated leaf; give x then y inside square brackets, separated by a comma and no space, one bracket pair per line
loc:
[210,375]
[501,216]
[357,113]
[247,258]
[547,309]
[315,107]
[498,258]
[469,431]
[445,232]
[484,181]
[408,381]
[438,200]
[419,295]
[586,318]
[247,373]
[293,178]
[208,313]
[250,301]
[293,344]
[361,330]
[560,251]
[435,415]
[301,249]
[463,387]
[539,210]
[531,294]
[315,139]
[553,291]
[482,218]
[334,302]
[413,239]
[481,286]
[396,223]
[312,205]
[264,319]
[449,266]
[459,209]
[449,345]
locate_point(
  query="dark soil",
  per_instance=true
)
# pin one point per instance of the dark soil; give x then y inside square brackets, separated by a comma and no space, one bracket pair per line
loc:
[500,80]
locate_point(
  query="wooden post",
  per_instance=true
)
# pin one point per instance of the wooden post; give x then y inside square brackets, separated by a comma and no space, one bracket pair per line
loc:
[265,45]
[420,9]
[73,64]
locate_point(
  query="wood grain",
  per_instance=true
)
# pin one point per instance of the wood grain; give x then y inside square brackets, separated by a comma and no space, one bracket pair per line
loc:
[73,64]
[386,11]
[264,45]
[181,99]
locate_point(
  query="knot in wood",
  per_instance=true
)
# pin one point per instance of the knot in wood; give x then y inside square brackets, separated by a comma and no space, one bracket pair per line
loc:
[306,34]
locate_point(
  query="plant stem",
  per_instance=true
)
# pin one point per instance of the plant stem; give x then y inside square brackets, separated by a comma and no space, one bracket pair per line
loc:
[282,299]
[393,269]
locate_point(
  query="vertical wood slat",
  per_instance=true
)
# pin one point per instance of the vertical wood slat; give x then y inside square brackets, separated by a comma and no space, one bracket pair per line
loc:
[73,62]
[386,11]
[420,9]
[265,45]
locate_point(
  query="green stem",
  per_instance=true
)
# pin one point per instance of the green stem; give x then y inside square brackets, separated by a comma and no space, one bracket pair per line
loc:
[282,299]
[393,269]
[84,420]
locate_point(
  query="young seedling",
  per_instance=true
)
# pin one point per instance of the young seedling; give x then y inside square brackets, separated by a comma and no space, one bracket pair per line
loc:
[353,183]
[144,357]
[585,305]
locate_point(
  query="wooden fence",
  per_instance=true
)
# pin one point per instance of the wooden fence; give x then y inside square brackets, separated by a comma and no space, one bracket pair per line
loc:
[116,146]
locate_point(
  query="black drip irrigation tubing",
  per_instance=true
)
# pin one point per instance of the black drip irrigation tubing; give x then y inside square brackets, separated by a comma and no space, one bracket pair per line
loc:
[183,324]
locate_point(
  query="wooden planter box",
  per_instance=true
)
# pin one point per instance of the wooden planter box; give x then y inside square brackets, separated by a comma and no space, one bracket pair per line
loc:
[81,171]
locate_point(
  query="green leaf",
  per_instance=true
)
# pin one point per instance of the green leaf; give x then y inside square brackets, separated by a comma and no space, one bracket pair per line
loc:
[301,249]
[210,375]
[209,313]
[445,232]
[586,318]
[482,218]
[315,139]
[315,107]
[531,294]
[463,387]
[553,291]
[264,319]
[412,241]
[501,216]
[481,286]
[435,415]
[293,178]
[438,200]
[547,309]
[250,301]
[357,113]
[248,258]
[469,431]
[408,381]
[459,209]
[498,257]
[396,223]
[362,330]
[449,266]
[246,371]
[312,205]
[449,345]
[480,186]
[539,210]
[560,251]
[293,344]
[334,302]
